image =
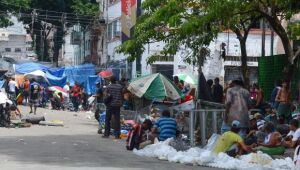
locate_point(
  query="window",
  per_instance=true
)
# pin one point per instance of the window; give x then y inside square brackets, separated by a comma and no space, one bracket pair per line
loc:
[114,30]
[109,32]
[7,49]
[17,50]
[29,49]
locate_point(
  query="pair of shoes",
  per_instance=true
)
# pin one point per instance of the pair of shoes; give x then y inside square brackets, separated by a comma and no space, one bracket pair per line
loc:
[30,112]
[117,137]
[105,136]
[99,131]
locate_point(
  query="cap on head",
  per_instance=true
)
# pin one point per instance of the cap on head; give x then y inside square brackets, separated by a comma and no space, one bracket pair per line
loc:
[252,117]
[257,115]
[260,124]
[235,124]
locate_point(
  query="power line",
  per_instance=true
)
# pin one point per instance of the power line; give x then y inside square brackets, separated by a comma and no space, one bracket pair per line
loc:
[15,5]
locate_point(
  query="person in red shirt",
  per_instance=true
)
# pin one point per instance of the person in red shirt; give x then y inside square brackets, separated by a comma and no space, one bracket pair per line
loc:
[75,96]
[26,90]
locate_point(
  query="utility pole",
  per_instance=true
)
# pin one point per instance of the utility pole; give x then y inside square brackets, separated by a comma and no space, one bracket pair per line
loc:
[63,20]
[33,15]
[263,39]
[272,42]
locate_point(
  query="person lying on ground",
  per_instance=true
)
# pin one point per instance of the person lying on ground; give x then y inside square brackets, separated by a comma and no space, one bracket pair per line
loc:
[231,142]
[165,127]
[293,138]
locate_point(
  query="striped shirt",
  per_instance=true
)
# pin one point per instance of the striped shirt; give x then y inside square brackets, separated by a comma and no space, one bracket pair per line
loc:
[167,128]
[115,90]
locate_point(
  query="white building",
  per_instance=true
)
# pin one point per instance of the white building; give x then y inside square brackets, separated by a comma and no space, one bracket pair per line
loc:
[77,46]
[15,42]
[171,65]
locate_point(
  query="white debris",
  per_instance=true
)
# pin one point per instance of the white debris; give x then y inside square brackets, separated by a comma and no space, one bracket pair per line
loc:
[198,156]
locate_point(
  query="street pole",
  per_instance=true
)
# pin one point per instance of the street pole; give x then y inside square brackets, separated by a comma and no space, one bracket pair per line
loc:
[272,42]
[263,39]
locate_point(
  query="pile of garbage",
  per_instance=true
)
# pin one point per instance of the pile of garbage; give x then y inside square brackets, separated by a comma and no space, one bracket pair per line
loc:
[205,157]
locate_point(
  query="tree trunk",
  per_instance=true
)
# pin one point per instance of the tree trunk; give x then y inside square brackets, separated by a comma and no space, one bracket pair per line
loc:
[244,66]
[45,50]
[282,33]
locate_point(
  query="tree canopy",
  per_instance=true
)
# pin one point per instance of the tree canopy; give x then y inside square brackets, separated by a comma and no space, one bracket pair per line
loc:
[192,25]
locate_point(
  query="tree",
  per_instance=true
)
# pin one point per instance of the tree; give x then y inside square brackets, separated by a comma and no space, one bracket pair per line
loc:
[276,12]
[237,21]
[6,8]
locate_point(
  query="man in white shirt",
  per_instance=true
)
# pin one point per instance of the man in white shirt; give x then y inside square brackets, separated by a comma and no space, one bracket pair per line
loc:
[293,138]
[67,98]
[12,89]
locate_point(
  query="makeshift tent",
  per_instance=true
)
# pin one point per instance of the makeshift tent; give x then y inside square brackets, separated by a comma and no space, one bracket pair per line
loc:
[30,67]
[39,75]
[56,81]
[92,84]
[80,74]
[57,72]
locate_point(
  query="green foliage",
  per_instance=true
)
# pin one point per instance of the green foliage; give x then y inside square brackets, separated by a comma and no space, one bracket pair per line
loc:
[8,7]
[86,7]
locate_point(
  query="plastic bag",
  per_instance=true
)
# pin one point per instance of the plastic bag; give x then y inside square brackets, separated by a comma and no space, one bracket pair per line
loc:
[212,142]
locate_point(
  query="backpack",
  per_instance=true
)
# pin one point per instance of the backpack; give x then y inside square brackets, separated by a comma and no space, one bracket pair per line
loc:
[133,137]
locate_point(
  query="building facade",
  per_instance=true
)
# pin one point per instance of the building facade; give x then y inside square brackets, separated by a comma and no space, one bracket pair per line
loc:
[215,66]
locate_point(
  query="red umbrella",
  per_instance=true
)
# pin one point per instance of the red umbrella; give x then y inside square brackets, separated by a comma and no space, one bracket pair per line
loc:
[105,74]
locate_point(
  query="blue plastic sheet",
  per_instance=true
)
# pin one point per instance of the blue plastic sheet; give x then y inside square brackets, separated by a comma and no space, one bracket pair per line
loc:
[56,81]
[80,74]
[57,72]
[1,83]
[91,89]
[30,67]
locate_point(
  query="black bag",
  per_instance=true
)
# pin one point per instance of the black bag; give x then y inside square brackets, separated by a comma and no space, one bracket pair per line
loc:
[107,100]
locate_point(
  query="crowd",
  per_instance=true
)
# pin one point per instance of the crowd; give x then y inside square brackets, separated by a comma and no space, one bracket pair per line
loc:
[271,129]
[274,127]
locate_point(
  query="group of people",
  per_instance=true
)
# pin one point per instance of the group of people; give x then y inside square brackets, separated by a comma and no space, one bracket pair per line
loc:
[265,130]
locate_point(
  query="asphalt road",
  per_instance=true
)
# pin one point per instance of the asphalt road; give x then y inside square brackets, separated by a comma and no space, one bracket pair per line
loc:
[74,146]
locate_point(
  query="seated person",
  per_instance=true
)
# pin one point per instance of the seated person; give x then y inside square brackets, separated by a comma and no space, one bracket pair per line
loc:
[138,137]
[251,133]
[273,138]
[292,139]
[56,100]
[231,142]
[165,126]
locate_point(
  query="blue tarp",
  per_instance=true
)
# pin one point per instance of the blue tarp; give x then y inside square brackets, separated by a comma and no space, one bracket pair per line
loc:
[56,81]
[57,72]
[30,67]
[80,74]
[1,83]
[92,84]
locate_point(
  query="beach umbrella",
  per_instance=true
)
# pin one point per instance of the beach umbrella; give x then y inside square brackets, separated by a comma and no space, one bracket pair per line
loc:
[154,87]
[58,89]
[105,74]
[38,75]
[187,78]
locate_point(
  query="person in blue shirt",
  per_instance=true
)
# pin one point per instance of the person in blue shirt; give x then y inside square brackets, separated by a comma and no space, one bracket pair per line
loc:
[165,127]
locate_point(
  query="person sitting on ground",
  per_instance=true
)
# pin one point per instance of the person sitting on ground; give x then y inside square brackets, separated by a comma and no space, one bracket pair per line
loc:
[273,138]
[231,142]
[138,137]
[165,126]
[293,138]
[251,134]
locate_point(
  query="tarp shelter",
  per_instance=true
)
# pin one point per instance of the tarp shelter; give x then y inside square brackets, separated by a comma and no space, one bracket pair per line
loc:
[56,80]
[92,84]
[57,72]
[30,67]
[39,75]
[80,73]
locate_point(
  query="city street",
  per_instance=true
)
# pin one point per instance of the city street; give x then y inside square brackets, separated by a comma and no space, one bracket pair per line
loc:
[74,146]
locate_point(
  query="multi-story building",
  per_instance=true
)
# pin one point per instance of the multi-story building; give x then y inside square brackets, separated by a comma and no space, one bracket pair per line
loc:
[215,66]
[16,45]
